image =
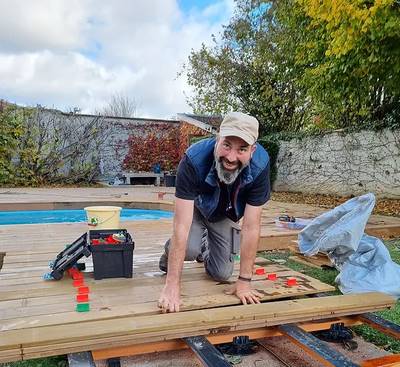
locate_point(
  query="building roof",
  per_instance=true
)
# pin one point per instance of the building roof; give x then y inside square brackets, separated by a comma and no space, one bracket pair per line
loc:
[209,123]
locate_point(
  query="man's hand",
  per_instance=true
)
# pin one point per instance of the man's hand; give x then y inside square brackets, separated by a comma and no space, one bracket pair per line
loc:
[170,298]
[244,291]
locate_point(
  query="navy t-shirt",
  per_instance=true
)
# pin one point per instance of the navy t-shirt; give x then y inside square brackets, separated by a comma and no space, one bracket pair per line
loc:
[187,188]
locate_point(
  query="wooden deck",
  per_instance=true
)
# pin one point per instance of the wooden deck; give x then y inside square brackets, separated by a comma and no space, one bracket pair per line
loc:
[38,318]
[272,237]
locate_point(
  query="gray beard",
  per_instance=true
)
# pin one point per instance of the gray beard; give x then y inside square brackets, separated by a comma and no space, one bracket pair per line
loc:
[227,177]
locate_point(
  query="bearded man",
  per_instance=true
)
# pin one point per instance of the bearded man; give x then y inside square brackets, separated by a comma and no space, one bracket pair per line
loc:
[219,181]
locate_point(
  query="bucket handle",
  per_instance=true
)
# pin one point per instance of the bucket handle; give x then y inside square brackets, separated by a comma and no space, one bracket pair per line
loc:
[95,223]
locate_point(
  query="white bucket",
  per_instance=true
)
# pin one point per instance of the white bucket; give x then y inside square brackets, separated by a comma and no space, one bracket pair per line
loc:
[103,217]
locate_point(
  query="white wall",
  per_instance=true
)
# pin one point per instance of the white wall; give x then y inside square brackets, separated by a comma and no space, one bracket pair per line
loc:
[340,164]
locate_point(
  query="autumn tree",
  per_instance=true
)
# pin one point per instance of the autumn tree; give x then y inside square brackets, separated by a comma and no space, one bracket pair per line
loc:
[350,53]
[298,64]
[246,71]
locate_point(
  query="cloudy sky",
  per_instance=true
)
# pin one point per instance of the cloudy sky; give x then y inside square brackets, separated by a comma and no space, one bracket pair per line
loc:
[78,53]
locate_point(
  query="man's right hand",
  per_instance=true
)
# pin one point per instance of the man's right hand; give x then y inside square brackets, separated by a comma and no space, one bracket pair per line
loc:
[170,298]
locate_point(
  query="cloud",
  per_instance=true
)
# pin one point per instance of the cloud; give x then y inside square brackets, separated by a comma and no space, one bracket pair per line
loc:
[33,25]
[77,53]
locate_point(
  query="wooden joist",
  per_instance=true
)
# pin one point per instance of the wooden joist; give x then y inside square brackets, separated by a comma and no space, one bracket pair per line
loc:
[222,337]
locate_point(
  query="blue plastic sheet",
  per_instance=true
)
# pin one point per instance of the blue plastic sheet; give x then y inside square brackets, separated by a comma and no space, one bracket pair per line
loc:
[363,261]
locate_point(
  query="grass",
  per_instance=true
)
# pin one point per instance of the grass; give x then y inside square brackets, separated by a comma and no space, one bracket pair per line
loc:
[328,276]
[325,275]
[59,361]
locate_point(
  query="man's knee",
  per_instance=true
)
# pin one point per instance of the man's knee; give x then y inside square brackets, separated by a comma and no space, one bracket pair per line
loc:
[192,253]
[221,274]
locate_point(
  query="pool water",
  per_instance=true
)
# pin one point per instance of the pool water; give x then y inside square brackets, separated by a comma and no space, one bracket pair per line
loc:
[73,216]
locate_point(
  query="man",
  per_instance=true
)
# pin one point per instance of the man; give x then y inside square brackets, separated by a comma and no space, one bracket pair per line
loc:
[219,181]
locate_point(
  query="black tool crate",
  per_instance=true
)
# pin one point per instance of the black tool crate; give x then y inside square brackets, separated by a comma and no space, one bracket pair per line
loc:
[112,261]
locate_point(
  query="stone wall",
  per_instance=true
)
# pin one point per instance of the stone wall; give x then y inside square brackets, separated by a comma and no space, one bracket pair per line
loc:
[341,164]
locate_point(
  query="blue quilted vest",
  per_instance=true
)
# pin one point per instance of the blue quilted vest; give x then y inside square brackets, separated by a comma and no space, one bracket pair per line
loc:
[201,155]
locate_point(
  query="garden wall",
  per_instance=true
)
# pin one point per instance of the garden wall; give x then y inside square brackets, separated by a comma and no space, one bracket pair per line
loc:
[341,164]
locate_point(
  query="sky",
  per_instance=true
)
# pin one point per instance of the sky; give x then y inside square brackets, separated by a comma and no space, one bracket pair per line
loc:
[68,54]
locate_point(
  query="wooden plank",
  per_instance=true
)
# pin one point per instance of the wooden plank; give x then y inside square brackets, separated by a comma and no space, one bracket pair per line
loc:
[93,344]
[207,295]
[386,361]
[169,323]
[11,355]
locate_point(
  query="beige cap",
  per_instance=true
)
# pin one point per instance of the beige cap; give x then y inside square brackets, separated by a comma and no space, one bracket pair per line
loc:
[241,125]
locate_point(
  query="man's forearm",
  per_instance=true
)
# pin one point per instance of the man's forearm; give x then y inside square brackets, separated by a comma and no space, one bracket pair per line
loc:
[176,256]
[248,250]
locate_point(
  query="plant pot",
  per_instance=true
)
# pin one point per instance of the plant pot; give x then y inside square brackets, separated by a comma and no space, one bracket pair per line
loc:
[169,180]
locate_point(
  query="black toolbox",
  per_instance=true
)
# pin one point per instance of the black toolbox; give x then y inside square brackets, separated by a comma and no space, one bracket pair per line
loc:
[112,261]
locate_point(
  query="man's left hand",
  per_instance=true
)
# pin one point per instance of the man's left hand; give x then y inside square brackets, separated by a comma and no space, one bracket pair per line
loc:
[244,291]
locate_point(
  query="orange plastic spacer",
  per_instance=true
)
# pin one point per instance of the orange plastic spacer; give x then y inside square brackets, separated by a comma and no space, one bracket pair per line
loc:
[271,276]
[78,283]
[83,290]
[260,271]
[82,298]
[72,271]
[291,281]
[77,276]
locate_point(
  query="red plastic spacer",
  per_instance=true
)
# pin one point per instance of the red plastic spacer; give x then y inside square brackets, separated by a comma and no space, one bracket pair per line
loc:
[82,298]
[83,290]
[271,276]
[260,271]
[291,281]
[72,271]
[77,276]
[78,283]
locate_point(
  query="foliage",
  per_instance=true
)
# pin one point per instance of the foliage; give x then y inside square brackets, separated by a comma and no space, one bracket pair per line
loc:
[244,72]
[54,147]
[195,139]
[350,53]
[304,65]
[59,361]
[155,143]
[271,145]
[11,130]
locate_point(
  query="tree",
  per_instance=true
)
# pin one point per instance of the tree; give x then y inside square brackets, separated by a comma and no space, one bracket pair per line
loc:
[350,51]
[120,105]
[39,146]
[248,71]
[298,64]
[11,129]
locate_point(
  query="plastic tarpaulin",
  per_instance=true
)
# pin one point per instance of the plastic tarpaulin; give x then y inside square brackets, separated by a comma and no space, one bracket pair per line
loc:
[363,261]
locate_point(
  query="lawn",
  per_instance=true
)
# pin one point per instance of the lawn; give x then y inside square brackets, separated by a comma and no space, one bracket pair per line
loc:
[325,275]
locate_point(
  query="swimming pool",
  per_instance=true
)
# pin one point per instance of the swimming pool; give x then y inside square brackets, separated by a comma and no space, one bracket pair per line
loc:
[74,216]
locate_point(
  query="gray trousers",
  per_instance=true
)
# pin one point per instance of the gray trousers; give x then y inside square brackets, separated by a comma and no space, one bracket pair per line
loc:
[220,239]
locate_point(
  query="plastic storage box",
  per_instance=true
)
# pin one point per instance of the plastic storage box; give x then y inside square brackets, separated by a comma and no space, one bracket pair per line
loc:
[112,260]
